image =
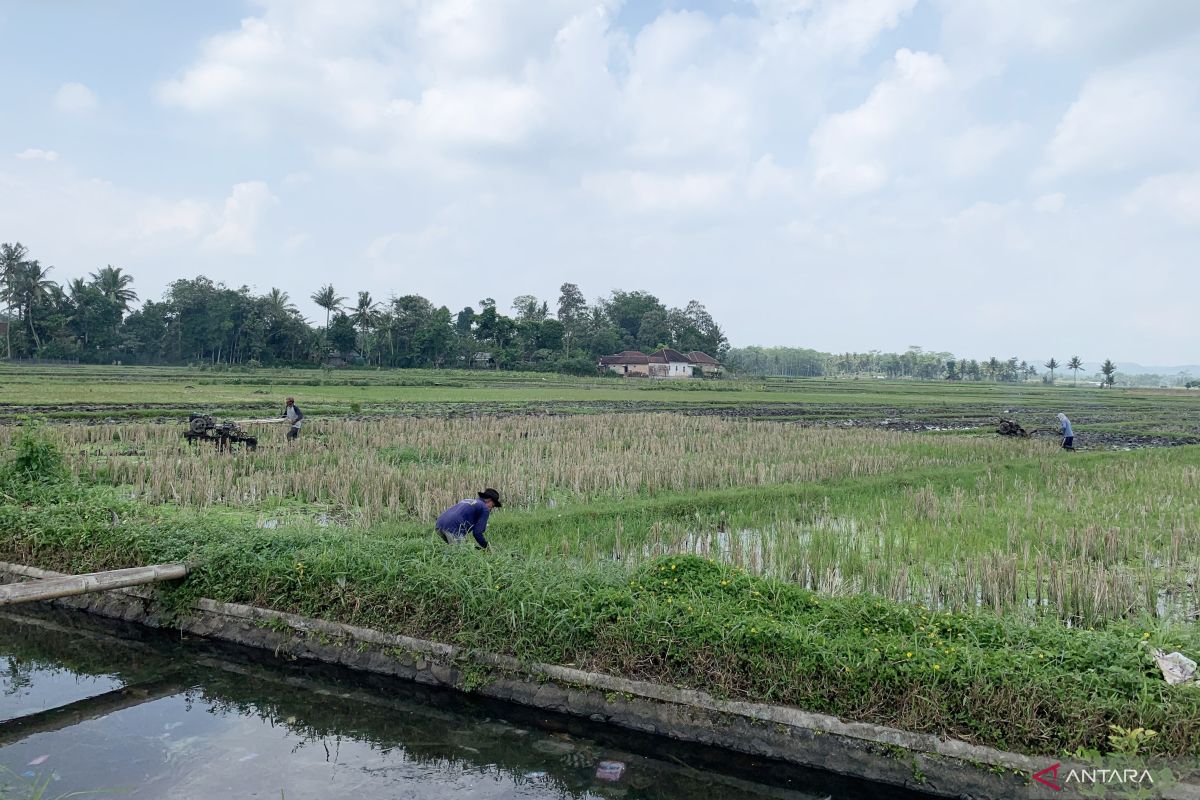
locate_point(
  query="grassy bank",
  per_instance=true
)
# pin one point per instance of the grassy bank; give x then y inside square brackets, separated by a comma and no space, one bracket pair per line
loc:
[1038,687]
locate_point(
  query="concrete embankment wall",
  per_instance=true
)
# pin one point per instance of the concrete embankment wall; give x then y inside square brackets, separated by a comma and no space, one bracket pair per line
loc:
[943,767]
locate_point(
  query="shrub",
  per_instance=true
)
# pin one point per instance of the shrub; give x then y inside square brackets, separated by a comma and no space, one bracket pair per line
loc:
[37,459]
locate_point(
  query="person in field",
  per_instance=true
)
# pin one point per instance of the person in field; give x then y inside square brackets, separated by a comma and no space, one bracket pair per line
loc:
[1064,428]
[293,414]
[468,516]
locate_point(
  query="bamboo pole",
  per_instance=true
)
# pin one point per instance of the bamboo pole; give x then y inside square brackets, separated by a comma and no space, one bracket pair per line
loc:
[68,585]
[55,719]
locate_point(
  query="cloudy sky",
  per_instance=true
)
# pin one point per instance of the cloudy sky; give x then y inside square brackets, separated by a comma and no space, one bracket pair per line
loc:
[983,176]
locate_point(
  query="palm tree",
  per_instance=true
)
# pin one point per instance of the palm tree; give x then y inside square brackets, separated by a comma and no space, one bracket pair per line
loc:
[328,299]
[1109,370]
[364,316]
[993,367]
[81,313]
[27,288]
[11,257]
[115,286]
[1051,365]
[278,303]
[1075,365]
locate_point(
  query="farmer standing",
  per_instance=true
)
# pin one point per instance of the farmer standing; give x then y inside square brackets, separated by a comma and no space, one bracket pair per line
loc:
[1064,428]
[293,414]
[468,516]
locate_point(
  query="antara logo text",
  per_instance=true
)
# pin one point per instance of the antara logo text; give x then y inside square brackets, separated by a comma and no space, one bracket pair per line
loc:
[1049,776]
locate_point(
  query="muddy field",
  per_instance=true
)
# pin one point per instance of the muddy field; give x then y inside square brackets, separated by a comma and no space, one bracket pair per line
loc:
[1114,419]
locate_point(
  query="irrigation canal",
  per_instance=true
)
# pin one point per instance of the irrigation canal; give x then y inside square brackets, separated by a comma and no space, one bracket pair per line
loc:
[88,705]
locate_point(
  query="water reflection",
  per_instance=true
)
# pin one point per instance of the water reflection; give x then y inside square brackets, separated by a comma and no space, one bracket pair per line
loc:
[91,707]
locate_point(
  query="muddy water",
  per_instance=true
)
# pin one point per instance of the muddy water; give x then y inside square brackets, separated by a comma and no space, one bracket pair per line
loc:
[87,706]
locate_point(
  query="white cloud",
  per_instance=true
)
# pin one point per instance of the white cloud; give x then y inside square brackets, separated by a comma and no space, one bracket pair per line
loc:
[1050,203]
[37,154]
[975,150]
[75,98]
[767,178]
[239,221]
[1175,195]
[850,149]
[184,218]
[394,246]
[1127,117]
[648,192]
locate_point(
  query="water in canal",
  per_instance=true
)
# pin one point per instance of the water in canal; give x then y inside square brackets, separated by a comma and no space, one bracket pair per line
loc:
[121,711]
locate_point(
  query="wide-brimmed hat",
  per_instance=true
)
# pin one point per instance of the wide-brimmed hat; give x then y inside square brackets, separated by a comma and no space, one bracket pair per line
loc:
[491,494]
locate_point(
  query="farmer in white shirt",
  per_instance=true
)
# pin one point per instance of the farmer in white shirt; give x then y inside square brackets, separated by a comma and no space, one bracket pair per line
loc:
[294,415]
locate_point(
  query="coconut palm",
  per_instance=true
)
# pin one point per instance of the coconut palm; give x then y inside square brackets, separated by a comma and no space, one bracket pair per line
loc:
[1051,365]
[278,303]
[328,299]
[364,317]
[1075,365]
[115,286]
[25,288]
[365,313]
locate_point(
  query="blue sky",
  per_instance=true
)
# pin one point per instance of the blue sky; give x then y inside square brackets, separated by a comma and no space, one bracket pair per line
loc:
[989,177]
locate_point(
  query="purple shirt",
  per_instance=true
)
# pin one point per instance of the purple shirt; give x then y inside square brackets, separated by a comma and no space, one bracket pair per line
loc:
[465,516]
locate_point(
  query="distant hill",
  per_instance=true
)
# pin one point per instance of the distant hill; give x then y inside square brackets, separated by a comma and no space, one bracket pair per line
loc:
[1130,368]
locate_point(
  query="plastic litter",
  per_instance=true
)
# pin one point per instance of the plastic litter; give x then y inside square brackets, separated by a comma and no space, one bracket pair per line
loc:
[610,770]
[39,760]
[1177,668]
[535,774]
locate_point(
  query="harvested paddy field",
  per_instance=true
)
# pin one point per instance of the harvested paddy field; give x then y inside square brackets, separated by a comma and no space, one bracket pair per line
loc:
[1104,419]
[845,558]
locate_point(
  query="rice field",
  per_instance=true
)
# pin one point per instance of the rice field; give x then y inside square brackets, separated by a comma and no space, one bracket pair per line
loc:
[953,522]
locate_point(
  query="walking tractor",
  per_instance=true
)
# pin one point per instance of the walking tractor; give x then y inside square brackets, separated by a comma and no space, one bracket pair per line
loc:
[225,435]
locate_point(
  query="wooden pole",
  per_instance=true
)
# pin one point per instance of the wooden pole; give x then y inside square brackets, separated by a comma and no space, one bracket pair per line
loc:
[68,585]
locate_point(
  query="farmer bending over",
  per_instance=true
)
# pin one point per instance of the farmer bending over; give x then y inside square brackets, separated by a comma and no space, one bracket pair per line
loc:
[293,414]
[1064,428]
[468,516]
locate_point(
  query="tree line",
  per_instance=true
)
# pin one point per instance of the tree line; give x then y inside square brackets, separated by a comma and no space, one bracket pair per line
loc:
[912,363]
[197,320]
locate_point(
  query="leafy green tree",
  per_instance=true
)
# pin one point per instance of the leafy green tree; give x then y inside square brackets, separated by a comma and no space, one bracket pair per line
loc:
[626,311]
[1109,370]
[341,334]
[654,331]
[572,313]
[1075,364]
[87,314]
[464,320]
